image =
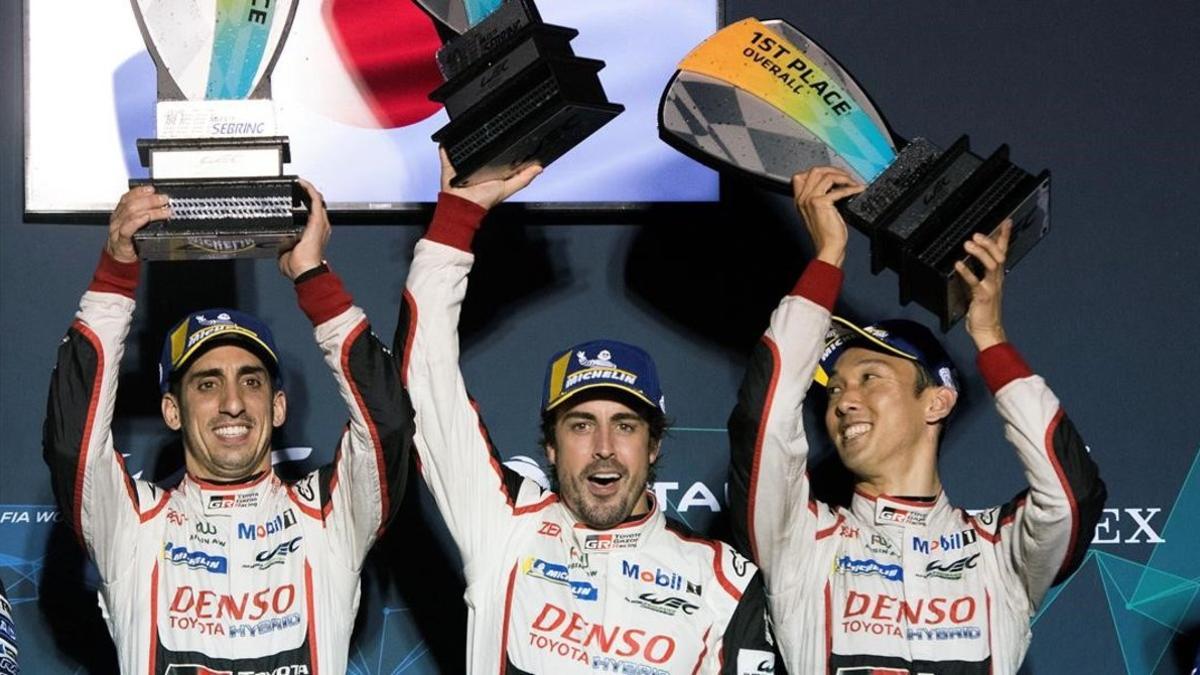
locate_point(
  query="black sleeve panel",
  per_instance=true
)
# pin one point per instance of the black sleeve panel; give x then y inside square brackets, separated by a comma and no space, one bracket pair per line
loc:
[375,374]
[744,424]
[1086,487]
[750,629]
[70,409]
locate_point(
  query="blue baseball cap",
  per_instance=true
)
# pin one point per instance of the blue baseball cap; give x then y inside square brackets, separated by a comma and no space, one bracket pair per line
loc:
[896,337]
[200,331]
[602,363]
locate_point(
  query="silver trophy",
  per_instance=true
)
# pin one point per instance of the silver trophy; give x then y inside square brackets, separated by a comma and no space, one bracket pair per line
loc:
[218,154]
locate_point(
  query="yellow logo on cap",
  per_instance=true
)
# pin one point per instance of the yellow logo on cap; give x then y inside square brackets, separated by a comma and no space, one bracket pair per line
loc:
[558,376]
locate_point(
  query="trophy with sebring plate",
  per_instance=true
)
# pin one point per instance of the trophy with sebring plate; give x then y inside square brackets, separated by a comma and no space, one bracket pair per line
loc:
[515,91]
[218,154]
[762,100]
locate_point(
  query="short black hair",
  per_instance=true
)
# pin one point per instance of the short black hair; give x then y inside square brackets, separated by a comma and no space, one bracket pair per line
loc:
[924,381]
[924,378]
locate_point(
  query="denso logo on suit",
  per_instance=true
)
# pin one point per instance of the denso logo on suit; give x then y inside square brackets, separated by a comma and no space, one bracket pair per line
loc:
[206,611]
[571,636]
[883,615]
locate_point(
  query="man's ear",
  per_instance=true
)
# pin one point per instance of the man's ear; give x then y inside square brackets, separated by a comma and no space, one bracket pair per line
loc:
[278,409]
[940,402]
[171,414]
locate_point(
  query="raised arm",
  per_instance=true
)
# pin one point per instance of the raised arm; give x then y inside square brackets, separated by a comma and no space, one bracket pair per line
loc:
[99,500]
[361,491]
[1045,530]
[774,516]
[476,494]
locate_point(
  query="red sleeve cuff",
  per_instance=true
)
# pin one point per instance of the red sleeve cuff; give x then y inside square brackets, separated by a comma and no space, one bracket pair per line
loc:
[820,283]
[323,297]
[455,221]
[1001,364]
[113,276]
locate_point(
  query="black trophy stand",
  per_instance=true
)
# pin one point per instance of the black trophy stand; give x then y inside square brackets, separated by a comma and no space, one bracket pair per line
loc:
[927,203]
[516,95]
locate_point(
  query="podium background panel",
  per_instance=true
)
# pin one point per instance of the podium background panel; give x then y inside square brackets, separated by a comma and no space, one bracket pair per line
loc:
[1105,308]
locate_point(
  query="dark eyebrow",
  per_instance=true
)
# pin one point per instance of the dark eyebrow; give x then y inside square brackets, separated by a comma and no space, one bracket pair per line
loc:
[198,374]
[252,370]
[217,372]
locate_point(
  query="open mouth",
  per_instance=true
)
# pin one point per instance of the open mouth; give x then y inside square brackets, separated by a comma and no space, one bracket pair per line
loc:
[603,482]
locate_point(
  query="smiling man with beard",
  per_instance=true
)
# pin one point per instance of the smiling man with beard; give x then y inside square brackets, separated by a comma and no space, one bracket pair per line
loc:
[233,569]
[590,576]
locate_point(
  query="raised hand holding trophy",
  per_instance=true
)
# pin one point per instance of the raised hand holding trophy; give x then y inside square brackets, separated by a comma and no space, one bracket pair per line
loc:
[515,92]
[218,155]
[763,100]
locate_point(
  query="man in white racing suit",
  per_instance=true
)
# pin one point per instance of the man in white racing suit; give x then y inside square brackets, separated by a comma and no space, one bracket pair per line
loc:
[232,571]
[901,582]
[591,576]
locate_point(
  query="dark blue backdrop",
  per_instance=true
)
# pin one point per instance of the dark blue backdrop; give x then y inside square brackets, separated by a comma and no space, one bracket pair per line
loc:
[1107,308]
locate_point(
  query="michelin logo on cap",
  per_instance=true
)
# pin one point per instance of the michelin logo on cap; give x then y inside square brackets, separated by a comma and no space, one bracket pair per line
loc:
[603,359]
[602,363]
[208,331]
[599,368]
[223,317]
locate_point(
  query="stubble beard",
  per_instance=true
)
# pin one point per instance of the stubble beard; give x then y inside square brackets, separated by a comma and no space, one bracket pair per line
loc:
[596,514]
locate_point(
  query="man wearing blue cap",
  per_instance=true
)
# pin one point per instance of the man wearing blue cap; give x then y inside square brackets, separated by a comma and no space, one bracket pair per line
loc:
[590,576]
[901,581]
[232,570]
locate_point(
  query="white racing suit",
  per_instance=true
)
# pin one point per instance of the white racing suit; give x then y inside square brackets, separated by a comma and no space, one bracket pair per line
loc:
[545,593]
[250,578]
[894,586]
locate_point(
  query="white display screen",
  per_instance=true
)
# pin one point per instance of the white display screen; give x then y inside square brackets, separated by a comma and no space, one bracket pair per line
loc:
[358,128]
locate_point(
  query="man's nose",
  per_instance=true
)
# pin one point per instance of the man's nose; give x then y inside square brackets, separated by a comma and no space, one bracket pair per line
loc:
[848,401]
[232,402]
[603,442]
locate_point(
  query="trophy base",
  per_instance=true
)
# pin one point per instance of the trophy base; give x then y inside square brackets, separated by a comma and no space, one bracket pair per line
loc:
[214,219]
[475,45]
[553,108]
[928,203]
[228,157]
[516,95]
